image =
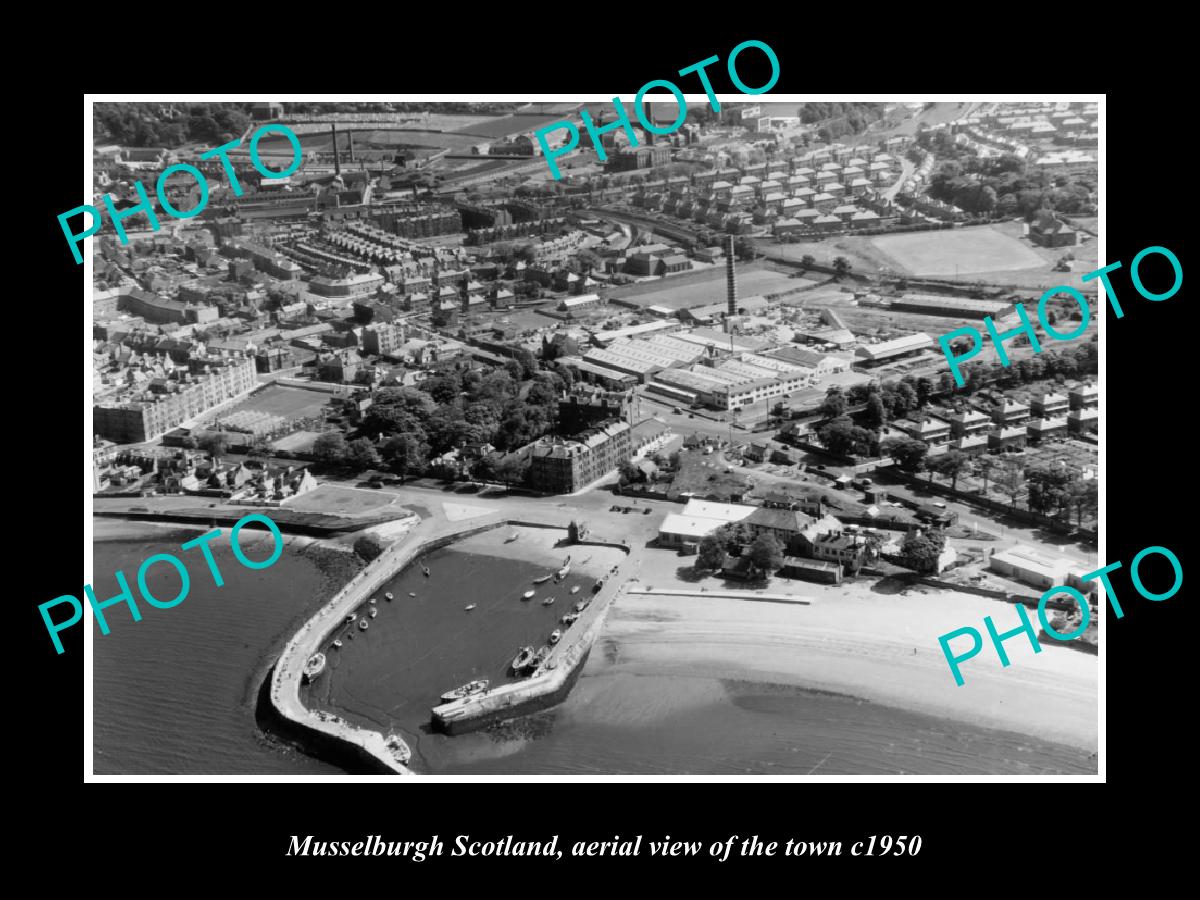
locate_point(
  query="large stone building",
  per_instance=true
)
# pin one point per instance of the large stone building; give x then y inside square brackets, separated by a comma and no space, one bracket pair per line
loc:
[167,403]
[561,466]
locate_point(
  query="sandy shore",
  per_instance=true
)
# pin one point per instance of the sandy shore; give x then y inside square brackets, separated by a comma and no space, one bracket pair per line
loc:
[853,640]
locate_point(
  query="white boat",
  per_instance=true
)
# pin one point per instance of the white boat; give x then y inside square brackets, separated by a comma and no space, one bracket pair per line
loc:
[575,590]
[351,617]
[547,601]
[555,636]
[400,751]
[467,690]
[314,667]
[528,595]
[512,537]
[411,594]
[362,624]
[372,601]
[337,644]
[373,612]
[542,579]
[470,606]
[388,596]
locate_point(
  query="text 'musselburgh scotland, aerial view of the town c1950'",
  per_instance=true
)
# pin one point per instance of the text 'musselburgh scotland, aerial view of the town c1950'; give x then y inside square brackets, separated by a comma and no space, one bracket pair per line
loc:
[654,468]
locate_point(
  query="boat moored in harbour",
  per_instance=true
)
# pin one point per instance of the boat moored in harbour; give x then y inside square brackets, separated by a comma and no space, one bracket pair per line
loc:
[522,660]
[388,597]
[351,617]
[338,644]
[569,618]
[528,595]
[547,601]
[314,667]
[575,589]
[373,612]
[470,606]
[555,636]
[542,579]
[470,689]
[363,625]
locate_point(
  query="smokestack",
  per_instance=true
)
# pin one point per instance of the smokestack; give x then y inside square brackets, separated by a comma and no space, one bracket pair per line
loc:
[337,163]
[350,138]
[730,277]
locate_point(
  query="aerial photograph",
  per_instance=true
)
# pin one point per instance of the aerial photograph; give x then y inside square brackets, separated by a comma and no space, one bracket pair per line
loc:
[625,454]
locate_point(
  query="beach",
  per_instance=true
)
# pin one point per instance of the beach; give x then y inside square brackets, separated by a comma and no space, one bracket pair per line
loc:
[857,639]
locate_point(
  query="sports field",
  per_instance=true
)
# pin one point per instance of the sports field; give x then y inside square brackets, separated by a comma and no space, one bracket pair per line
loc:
[284,402]
[961,251]
[689,291]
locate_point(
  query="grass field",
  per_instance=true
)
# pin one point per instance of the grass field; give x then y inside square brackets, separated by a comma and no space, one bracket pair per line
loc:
[961,251]
[285,402]
[688,291]
[342,501]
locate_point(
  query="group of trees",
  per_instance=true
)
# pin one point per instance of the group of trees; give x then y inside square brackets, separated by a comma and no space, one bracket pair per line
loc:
[506,406]
[1057,491]
[1004,185]
[840,118]
[922,550]
[1063,364]
[169,125]
[765,552]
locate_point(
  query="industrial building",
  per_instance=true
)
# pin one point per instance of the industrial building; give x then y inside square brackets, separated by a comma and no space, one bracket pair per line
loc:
[887,351]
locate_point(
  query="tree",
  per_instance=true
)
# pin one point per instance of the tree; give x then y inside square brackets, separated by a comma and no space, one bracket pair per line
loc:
[711,554]
[950,465]
[405,454]
[330,448]
[921,551]
[909,454]
[630,474]
[766,553]
[843,437]
[361,454]
[807,261]
[1010,481]
[214,443]
[841,267]
[1083,497]
[875,416]
[513,469]
[835,402]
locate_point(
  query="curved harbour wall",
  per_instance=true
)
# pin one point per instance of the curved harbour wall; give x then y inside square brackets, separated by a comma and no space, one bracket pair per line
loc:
[334,738]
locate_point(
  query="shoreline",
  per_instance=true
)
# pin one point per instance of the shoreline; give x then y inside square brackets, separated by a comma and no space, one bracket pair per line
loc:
[1051,696]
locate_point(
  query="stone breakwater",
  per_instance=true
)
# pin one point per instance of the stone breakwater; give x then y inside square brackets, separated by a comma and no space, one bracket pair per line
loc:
[336,738]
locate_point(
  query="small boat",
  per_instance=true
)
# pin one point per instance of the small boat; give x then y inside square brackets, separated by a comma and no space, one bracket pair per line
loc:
[562,573]
[542,579]
[478,686]
[388,597]
[425,571]
[547,601]
[523,659]
[470,606]
[540,656]
[314,667]
[351,617]
[372,601]
[338,644]
[512,537]
[400,751]
[374,612]
[575,589]
[528,595]
[569,618]
[555,636]
[363,624]
[596,587]
[411,594]
[582,605]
